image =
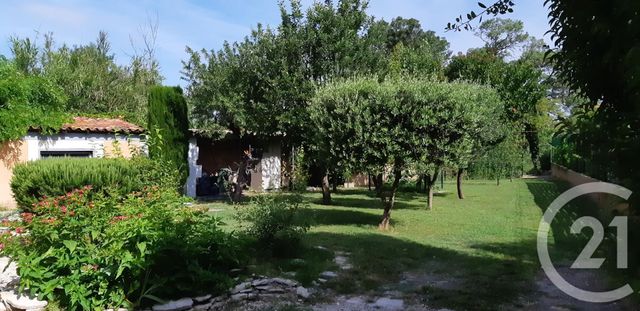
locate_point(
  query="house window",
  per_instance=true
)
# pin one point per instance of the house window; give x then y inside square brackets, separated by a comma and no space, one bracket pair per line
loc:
[73,154]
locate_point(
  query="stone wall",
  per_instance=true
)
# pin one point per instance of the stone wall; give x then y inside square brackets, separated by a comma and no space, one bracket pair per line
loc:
[609,205]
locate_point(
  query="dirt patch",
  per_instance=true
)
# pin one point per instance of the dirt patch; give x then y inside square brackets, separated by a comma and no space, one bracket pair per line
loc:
[547,296]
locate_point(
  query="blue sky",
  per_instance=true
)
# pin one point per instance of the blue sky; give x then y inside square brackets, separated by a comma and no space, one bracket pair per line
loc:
[207,24]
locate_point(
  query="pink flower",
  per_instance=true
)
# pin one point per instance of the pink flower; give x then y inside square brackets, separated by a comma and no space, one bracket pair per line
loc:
[19,230]
[63,209]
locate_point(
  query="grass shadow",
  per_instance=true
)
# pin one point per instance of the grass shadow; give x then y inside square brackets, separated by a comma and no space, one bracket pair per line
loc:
[322,216]
[445,278]
[544,192]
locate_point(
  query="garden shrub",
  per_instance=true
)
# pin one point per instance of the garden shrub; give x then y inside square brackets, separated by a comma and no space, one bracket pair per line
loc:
[90,251]
[277,222]
[54,177]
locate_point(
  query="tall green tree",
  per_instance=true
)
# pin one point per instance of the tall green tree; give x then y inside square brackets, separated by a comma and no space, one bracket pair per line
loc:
[502,35]
[168,128]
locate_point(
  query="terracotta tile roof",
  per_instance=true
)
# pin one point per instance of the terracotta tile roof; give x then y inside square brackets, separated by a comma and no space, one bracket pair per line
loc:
[100,125]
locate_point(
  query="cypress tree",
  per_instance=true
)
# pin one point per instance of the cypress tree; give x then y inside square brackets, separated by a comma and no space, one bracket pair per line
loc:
[168,127]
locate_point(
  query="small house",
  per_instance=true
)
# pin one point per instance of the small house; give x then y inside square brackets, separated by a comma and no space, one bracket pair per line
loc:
[100,137]
[84,137]
[207,156]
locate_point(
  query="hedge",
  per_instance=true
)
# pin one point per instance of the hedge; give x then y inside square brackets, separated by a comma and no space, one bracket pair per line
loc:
[54,177]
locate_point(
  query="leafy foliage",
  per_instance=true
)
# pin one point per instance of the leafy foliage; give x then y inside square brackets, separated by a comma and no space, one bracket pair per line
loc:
[89,77]
[499,7]
[276,222]
[599,55]
[88,251]
[26,102]
[502,35]
[264,84]
[520,85]
[168,126]
[35,180]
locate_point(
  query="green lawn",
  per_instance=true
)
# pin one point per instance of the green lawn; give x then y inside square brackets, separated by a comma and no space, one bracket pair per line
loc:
[482,246]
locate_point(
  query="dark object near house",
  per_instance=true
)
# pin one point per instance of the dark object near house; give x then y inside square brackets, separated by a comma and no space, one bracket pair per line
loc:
[207,185]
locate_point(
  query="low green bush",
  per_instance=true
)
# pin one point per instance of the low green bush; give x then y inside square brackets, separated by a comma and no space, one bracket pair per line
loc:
[54,177]
[277,222]
[90,251]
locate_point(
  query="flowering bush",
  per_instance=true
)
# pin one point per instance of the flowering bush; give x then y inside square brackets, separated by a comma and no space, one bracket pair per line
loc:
[90,251]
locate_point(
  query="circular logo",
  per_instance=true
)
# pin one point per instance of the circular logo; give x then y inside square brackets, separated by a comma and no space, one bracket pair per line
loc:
[543,250]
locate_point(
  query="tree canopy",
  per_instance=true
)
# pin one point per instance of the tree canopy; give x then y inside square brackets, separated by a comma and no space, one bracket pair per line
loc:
[368,125]
[89,77]
[264,83]
[28,101]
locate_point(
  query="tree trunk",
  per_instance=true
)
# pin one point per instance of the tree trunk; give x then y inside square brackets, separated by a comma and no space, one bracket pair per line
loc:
[459,183]
[531,135]
[497,180]
[431,181]
[419,183]
[292,168]
[326,193]
[425,178]
[377,184]
[388,203]
[430,199]
[386,216]
[241,181]
[369,181]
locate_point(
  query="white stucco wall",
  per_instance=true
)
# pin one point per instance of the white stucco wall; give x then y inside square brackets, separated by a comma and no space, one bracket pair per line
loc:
[270,164]
[94,142]
[195,170]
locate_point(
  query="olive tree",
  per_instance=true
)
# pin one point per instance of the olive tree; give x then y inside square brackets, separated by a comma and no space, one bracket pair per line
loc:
[400,123]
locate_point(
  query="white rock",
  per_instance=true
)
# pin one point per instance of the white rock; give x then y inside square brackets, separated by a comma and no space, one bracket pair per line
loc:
[8,274]
[356,301]
[302,292]
[175,305]
[261,282]
[202,299]
[18,301]
[241,287]
[285,282]
[203,307]
[389,304]
[328,275]
[239,297]
[321,280]
[276,290]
